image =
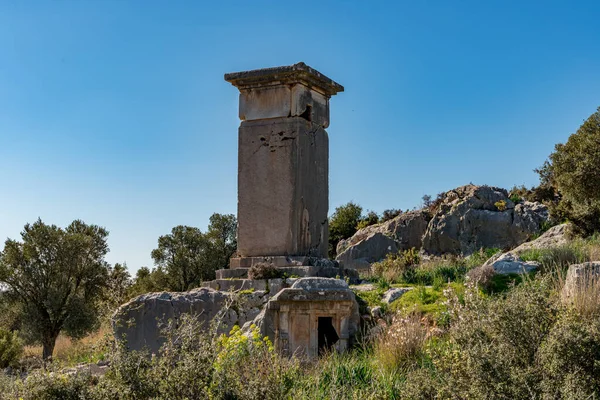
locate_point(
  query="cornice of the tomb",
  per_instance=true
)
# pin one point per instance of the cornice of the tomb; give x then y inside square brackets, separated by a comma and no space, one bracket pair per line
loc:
[285,75]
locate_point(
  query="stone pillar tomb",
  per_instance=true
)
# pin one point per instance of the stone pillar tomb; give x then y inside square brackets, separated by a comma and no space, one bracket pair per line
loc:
[282,220]
[283,165]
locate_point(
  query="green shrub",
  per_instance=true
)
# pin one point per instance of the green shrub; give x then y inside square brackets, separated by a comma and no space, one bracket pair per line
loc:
[389,214]
[263,271]
[557,257]
[421,300]
[570,357]
[500,205]
[479,258]
[543,193]
[247,367]
[372,298]
[411,257]
[404,267]
[514,197]
[437,273]
[397,267]
[52,385]
[345,376]
[11,348]
[482,276]
[572,170]
[493,343]
[502,282]
[342,224]
[370,219]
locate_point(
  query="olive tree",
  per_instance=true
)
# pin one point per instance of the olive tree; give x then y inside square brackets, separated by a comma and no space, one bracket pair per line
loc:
[343,224]
[190,256]
[573,170]
[58,277]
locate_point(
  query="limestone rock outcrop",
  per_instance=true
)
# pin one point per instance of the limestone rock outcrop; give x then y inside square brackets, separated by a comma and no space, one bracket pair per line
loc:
[472,217]
[372,243]
[394,294]
[511,262]
[465,220]
[139,321]
[553,237]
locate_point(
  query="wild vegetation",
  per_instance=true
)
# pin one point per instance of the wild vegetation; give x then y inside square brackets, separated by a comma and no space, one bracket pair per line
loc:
[347,219]
[189,256]
[460,331]
[570,181]
[526,342]
[55,278]
[56,282]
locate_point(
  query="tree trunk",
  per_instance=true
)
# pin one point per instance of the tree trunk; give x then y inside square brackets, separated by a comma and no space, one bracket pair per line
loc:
[48,344]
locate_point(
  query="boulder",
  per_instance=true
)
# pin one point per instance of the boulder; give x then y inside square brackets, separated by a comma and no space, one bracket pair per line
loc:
[377,312]
[472,217]
[373,248]
[363,287]
[510,262]
[139,321]
[394,294]
[553,237]
[374,242]
[581,276]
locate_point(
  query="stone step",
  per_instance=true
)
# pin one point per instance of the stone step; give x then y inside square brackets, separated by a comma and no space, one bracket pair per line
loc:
[232,273]
[293,271]
[276,261]
[229,285]
[234,285]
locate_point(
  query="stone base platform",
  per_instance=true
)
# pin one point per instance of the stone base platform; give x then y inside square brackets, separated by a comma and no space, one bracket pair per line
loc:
[234,285]
[236,279]
[281,261]
[300,271]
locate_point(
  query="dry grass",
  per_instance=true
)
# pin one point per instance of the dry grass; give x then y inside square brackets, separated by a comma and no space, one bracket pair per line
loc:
[481,276]
[89,349]
[594,252]
[582,294]
[396,347]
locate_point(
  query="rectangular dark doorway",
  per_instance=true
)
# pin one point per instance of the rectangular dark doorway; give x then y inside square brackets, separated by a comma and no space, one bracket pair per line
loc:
[327,334]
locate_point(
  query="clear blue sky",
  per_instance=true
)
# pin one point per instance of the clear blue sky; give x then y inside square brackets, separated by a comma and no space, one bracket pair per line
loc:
[116,112]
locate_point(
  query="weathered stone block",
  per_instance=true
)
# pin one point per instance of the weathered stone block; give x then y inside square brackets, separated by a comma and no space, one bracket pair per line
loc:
[140,321]
[276,261]
[230,285]
[232,273]
[302,319]
[265,102]
[283,159]
[282,188]
[582,278]
[310,105]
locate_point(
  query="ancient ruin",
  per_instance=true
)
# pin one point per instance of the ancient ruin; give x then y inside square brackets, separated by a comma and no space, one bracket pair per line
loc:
[283,158]
[314,315]
[283,164]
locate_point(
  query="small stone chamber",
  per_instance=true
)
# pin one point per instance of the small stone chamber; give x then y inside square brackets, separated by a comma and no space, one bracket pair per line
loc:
[315,315]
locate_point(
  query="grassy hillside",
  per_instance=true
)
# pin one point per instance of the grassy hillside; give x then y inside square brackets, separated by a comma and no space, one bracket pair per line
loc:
[513,338]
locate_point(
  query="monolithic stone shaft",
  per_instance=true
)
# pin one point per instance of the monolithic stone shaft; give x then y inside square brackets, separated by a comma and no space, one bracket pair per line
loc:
[283,158]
